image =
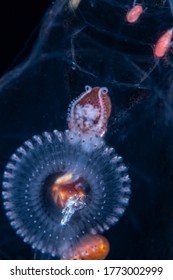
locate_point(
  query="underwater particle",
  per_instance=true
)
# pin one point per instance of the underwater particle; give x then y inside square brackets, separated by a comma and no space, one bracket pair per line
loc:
[73,4]
[56,191]
[163,44]
[134,14]
[90,247]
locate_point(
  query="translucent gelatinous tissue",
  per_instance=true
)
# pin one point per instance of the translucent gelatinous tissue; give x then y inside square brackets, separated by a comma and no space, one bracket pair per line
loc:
[67,184]
[61,187]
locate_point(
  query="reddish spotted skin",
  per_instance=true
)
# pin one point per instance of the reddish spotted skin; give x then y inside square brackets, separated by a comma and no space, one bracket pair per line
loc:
[87,123]
[93,99]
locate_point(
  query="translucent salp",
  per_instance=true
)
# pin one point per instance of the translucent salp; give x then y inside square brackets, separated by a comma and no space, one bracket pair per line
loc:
[26,195]
[92,43]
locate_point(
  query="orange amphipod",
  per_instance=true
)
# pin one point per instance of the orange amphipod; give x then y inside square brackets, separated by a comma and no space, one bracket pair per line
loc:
[67,186]
[134,14]
[163,44]
[91,247]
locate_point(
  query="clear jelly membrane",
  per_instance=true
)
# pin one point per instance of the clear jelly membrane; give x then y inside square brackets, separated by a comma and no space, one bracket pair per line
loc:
[91,43]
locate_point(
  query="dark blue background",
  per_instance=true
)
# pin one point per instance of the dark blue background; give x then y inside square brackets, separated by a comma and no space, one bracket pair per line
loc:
[109,52]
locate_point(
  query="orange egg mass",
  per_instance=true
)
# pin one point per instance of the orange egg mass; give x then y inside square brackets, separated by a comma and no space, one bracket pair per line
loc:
[91,247]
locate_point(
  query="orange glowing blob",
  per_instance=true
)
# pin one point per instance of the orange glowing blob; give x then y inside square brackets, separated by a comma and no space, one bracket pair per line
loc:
[65,187]
[134,14]
[91,247]
[90,112]
[163,44]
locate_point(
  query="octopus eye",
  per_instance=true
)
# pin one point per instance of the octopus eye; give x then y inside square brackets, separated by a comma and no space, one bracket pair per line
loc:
[104,90]
[88,89]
